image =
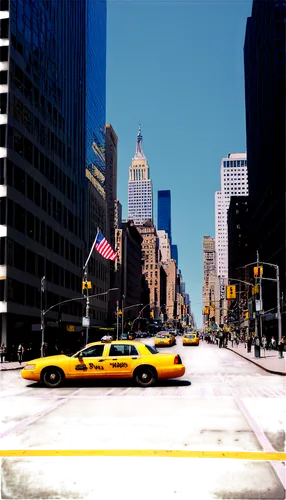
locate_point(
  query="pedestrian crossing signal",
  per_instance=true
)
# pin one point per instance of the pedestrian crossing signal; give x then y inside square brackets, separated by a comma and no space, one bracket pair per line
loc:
[86,285]
[231,292]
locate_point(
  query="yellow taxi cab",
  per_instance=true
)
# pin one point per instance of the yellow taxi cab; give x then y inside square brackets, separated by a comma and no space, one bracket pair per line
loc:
[102,360]
[164,339]
[191,338]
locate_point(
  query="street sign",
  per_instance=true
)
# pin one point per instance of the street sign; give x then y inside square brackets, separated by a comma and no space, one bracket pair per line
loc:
[86,321]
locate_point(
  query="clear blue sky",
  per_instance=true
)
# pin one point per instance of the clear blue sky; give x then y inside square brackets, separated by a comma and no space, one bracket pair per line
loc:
[177,68]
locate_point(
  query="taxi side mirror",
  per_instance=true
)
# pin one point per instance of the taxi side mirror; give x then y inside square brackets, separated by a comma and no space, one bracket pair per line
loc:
[80,355]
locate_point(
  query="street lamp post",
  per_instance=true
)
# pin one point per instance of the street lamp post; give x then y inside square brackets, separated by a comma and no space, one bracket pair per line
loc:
[43,313]
[139,314]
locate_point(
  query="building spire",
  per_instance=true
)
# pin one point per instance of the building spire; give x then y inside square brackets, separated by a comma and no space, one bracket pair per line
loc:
[139,148]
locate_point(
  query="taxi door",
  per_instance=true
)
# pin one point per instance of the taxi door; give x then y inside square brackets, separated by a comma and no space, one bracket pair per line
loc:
[121,360]
[89,363]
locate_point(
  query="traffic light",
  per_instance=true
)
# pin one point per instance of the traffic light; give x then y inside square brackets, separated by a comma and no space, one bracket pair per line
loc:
[246,314]
[151,314]
[255,289]
[231,292]
[206,310]
[258,271]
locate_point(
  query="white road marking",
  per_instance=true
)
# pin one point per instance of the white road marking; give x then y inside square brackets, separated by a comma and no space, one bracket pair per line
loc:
[222,379]
[14,393]
[179,392]
[27,421]
[282,393]
[146,391]
[122,392]
[253,393]
[214,392]
[269,393]
[266,445]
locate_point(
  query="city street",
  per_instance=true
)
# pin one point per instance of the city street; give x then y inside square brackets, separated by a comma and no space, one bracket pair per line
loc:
[223,403]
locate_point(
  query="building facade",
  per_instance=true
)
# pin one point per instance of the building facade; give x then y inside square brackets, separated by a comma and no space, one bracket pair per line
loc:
[174,253]
[46,227]
[234,182]
[164,245]
[265,137]
[210,290]
[128,243]
[164,212]
[140,195]
[171,294]
[111,140]
[97,203]
[151,264]
[117,214]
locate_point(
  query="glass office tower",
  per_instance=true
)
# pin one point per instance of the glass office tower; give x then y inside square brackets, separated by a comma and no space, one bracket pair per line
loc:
[47,108]
[164,212]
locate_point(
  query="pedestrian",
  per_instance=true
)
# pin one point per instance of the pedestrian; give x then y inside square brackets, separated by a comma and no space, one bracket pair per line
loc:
[249,343]
[20,352]
[281,347]
[256,347]
[3,352]
[272,343]
[264,343]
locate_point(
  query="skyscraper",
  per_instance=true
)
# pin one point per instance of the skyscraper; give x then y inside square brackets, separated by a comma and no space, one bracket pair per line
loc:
[174,253]
[264,66]
[48,132]
[164,212]
[140,195]
[234,182]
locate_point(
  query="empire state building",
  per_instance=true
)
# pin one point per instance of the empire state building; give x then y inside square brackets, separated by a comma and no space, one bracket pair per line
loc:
[140,196]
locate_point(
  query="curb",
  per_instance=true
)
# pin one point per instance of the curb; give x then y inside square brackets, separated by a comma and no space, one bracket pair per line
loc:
[10,369]
[257,364]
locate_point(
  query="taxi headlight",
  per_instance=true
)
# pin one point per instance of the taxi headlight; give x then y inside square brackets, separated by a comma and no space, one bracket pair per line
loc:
[29,367]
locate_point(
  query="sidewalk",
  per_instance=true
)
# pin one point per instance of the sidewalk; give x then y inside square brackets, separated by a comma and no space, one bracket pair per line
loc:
[13,365]
[268,361]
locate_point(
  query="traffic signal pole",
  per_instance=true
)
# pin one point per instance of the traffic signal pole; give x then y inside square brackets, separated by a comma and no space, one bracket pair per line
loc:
[86,308]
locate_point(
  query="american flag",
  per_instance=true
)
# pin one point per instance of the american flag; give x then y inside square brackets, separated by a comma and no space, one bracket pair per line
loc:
[104,248]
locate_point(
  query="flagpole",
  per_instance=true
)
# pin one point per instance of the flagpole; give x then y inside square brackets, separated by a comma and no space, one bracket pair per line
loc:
[87,297]
[84,267]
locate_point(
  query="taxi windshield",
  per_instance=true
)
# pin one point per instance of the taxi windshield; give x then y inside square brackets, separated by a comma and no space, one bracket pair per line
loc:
[163,335]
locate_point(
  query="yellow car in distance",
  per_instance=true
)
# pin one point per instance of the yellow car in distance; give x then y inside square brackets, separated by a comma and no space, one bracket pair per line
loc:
[164,339]
[191,338]
[105,360]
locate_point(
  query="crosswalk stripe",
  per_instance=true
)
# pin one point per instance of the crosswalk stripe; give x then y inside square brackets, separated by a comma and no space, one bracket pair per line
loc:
[146,391]
[282,393]
[269,393]
[123,392]
[179,392]
[253,393]
[202,392]
[214,391]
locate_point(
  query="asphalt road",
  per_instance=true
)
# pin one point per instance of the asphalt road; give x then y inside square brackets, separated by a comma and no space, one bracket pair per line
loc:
[223,403]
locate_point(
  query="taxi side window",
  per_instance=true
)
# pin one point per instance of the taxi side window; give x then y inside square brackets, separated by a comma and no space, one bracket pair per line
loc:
[93,351]
[123,350]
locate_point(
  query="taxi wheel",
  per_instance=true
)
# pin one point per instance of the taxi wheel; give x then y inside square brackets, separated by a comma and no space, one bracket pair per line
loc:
[145,376]
[53,377]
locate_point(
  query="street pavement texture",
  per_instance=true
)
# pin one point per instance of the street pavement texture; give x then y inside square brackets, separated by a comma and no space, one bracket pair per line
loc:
[224,403]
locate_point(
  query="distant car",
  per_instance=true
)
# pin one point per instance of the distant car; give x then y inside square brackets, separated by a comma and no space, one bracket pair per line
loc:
[142,335]
[191,339]
[106,360]
[164,339]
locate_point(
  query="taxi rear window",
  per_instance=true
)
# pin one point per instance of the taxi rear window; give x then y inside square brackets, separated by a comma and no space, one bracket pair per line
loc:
[190,336]
[152,349]
[163,335]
